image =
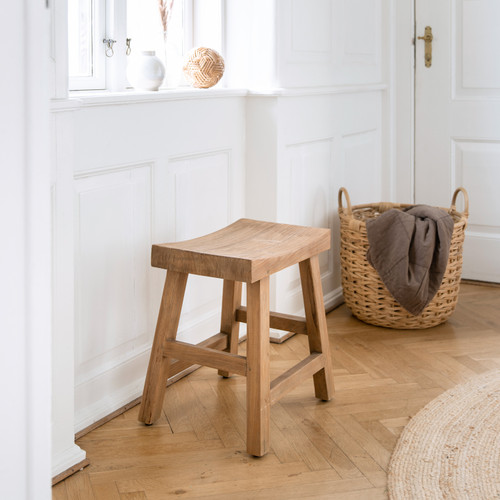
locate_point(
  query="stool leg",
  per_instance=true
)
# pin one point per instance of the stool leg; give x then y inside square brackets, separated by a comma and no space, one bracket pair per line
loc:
[166,328]
[316,325]
[258,378]
[231,300]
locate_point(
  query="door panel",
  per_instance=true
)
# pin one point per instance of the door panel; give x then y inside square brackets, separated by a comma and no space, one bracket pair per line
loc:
[457,121]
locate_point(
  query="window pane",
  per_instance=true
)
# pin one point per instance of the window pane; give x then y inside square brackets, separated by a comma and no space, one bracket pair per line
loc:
[146,28]
[80,15]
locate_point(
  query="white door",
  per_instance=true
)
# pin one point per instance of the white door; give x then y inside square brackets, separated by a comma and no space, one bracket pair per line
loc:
[457,120]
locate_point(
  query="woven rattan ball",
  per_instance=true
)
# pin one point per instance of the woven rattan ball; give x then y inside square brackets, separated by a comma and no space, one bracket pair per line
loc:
[203,67]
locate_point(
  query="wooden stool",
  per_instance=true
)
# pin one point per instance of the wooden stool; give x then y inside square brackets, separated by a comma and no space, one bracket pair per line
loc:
[247,251]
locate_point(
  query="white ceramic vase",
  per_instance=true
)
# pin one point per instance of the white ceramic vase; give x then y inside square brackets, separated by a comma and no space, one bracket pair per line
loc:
[145,71]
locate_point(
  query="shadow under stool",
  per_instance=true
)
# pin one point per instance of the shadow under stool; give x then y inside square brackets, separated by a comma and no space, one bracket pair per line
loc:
[246,251]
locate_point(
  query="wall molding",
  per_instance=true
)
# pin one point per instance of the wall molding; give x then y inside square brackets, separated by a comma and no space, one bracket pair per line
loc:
[311,91]
[67,460]
[360,132]
[105,98]
[485,236]
[70,471]
[65,105]
[199,154]
[122,359]
[115,400]
[333,299]
[110,169]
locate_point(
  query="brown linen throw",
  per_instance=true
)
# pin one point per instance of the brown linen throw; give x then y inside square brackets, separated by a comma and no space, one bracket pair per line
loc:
[410,249]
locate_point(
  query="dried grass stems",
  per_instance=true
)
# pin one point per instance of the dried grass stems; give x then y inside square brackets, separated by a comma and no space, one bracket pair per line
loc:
[165,7]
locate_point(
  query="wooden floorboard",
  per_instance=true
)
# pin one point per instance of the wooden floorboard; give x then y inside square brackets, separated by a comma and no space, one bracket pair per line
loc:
[336,450]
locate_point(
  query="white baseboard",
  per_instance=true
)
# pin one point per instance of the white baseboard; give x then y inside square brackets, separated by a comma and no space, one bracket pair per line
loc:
[108,405]
[334,299]
[67,459]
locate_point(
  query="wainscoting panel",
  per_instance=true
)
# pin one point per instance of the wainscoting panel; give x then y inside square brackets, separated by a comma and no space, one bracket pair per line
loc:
[309,36]
[310,170]
[199,203]
[151,176]
[119,212]
[324,141]
[361,32]
[361,166]
[330,44]
[202,196]
[113,240]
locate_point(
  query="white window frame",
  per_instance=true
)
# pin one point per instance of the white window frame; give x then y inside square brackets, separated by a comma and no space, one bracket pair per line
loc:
[116,29]
[98,79]
[188,24]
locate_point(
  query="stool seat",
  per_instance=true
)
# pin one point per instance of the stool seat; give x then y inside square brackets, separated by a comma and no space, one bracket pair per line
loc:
[247,250]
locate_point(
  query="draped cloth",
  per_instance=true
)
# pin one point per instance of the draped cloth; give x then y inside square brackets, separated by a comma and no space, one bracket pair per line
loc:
[410,251]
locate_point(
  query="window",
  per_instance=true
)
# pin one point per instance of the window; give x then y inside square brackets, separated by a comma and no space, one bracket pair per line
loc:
[145,26]
[101,31]
[85,59]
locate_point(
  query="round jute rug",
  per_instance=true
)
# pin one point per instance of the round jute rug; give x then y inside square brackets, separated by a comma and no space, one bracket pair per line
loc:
[451,448]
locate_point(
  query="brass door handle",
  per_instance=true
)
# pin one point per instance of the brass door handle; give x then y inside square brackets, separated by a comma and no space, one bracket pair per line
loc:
[428,46]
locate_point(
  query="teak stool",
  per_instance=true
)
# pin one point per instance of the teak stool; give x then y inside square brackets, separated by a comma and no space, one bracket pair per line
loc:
[247,251]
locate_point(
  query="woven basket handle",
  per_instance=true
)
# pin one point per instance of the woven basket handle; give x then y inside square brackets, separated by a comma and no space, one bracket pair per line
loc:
[466,200]
[343,190]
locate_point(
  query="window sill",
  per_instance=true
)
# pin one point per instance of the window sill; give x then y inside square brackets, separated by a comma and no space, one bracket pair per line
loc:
[89,98]
[104,98]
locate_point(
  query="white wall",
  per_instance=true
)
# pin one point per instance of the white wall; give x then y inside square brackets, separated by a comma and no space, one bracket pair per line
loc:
[25,288]
[64,451]
[321,128]
[156,171]
[172,166]
[328,42]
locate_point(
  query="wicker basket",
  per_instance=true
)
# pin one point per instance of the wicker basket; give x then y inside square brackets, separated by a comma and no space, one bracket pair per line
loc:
[364,292]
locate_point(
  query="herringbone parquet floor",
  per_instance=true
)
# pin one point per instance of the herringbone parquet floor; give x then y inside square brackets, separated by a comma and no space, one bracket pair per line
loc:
[335,450]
